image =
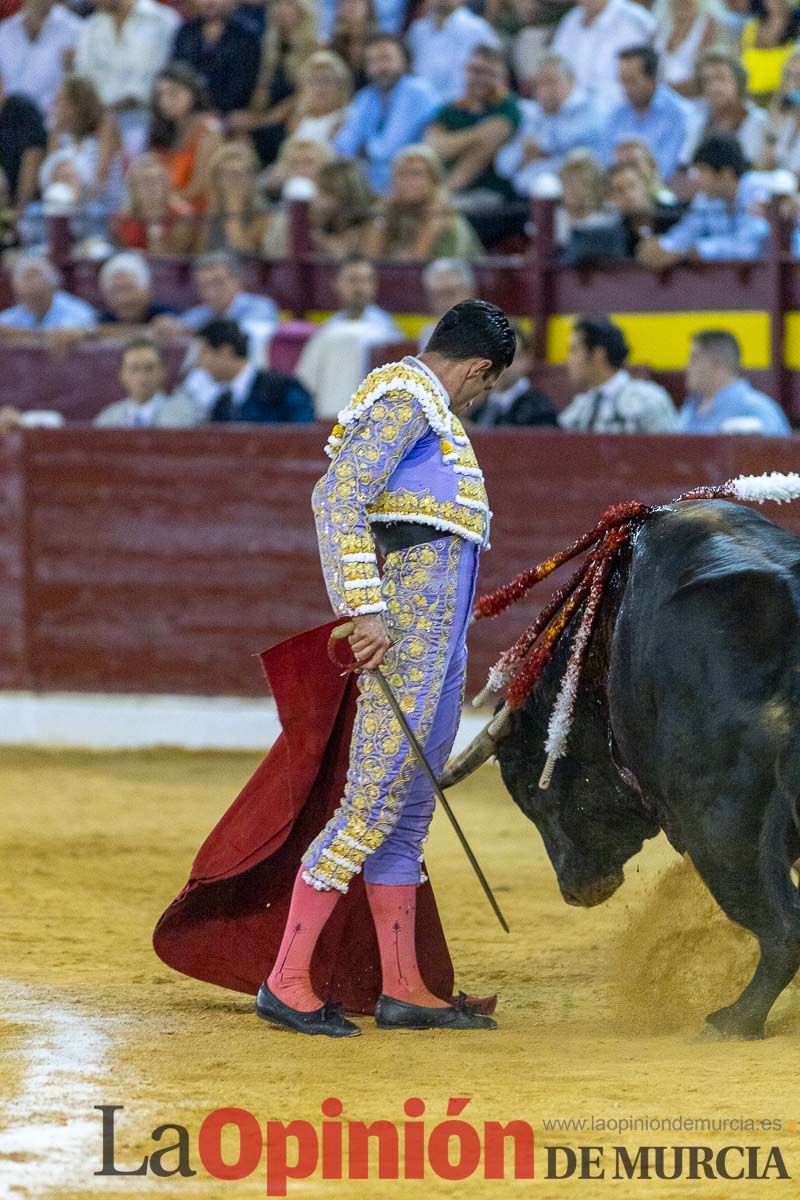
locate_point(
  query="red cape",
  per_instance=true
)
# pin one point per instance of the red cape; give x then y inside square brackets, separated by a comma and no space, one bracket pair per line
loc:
[226,925]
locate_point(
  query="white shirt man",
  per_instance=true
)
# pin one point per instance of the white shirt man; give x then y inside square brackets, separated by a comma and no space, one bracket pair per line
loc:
[442,43]
[591,35]
[122,62]
[32,47]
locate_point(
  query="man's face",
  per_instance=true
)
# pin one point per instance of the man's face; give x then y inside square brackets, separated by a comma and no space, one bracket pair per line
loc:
[221,364]
[385,65]
[212,10]
[356,286]
[551,88]
[629,192]
[216,287]
[34,291]
[717,185]
[699,371]
[478,378]
[142,373]
[482,79]
[718,86]
[126,298]
[638,86]
[579,364]
[443,8]
[446,291]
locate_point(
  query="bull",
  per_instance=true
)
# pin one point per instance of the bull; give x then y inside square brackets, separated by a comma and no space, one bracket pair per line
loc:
[687,722]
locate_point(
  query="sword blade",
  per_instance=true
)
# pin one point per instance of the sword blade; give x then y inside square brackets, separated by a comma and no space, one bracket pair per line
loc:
[426,767]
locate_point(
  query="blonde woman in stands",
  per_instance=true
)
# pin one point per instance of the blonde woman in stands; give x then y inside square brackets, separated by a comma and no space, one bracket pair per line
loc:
[341,213]
[237,216]
[584,214]
[290,40]
[417,220]
[299,158]
[686,29]
[152,218]
[84,135]
[325,88]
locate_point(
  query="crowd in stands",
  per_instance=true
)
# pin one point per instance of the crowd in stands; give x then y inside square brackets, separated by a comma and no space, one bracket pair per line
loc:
[417,130]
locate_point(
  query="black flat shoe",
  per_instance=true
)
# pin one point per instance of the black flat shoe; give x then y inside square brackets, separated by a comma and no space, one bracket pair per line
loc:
[327,1020]
[398,1014]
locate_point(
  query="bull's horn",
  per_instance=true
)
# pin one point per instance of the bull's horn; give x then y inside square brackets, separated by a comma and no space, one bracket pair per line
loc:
[478,751]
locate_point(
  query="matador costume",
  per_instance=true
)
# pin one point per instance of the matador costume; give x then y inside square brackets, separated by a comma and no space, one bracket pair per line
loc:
[403,475]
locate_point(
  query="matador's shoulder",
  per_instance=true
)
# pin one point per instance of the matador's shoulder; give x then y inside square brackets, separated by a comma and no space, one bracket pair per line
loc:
[395,382]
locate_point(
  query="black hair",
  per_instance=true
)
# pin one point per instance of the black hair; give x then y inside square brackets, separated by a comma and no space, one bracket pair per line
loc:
[217,334]
[719,151]
[475,329]
[163,134]
[646,56]
[601,332]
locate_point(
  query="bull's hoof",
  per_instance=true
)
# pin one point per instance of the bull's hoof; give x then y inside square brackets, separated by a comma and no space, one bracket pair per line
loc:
[729,1023]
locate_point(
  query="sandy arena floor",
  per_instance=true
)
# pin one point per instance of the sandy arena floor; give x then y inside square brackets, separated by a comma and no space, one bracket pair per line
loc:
[597,1010]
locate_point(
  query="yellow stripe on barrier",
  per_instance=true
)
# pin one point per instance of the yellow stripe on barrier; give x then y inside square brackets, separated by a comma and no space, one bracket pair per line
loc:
[662,340]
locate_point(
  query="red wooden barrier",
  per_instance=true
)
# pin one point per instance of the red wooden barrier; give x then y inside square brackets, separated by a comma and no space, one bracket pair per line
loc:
[163,561]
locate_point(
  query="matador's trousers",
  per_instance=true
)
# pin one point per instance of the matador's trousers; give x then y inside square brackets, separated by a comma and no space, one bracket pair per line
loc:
[388,803]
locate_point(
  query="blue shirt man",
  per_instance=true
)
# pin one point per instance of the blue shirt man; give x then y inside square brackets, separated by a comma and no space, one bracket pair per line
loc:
[41,304]
[391,112]
[650,111]
[720,400]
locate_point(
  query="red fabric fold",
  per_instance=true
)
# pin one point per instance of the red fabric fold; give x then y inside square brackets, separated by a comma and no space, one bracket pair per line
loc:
[226,924]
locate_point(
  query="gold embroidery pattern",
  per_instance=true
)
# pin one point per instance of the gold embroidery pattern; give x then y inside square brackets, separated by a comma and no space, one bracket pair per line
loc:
[419,588]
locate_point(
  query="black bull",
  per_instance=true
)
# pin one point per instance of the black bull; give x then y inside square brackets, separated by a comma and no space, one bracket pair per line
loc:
[686,721]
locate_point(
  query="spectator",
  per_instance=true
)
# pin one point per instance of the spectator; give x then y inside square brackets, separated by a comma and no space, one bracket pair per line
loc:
[723,107]
[591,36]
[237,216]
[340,214]
[650,111]
[8,216]
[335,358]
[245,393]
[183,133]
[633,152]
[613,401]
[388,16]
[467,135]
[642,214]
[33,46]
[514,400]
[768,40]
[560,118]
[23,140]
[325,88]
[290,40]
[587,228]
[224,48]
[40,302]
[354,26]
[82,133]
[146,405]
[126,287]
[447,281]
[720,222]
[299,158]
[218,279]
[152,218]
[388,114]
[121,48]
[781,146]
[417,220]
[442,43]
[685,29]
[720,400]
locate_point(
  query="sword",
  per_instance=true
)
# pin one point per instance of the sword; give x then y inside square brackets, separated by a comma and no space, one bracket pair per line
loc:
[343,631]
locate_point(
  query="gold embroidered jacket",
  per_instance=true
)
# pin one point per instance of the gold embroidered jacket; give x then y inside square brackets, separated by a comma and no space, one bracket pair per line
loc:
[398,454]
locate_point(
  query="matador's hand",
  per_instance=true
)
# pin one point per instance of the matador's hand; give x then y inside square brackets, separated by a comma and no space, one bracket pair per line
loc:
[369,641]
